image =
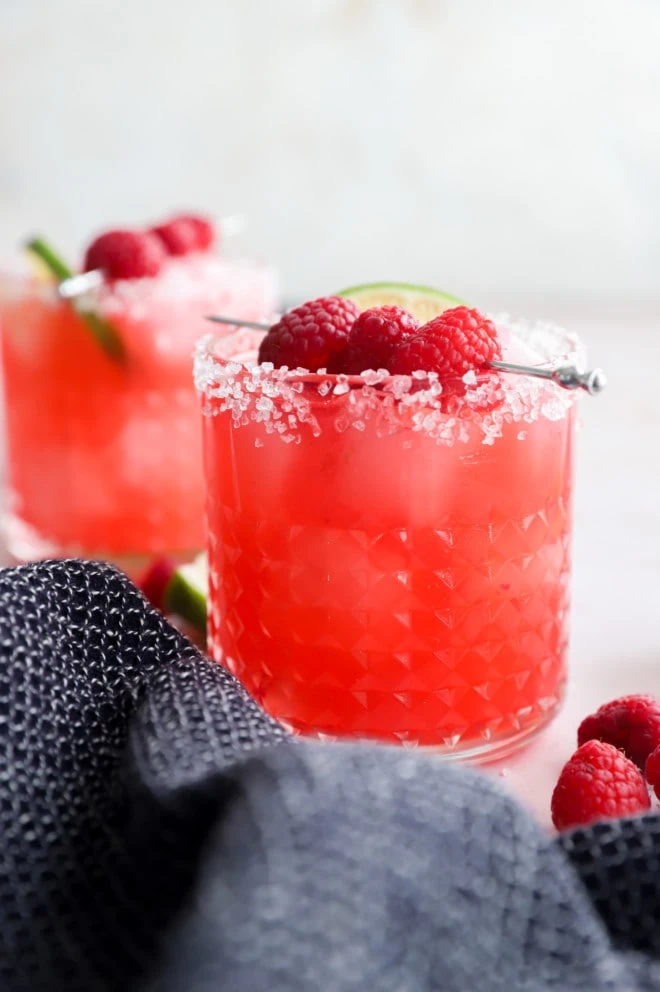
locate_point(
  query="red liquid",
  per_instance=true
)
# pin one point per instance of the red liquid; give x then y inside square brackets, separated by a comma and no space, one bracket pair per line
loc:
[385,585]
[105,458]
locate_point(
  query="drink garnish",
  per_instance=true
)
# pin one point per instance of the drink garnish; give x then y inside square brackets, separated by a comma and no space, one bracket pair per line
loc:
[457,341]
[309,336]
[180,590]
[185,233]
[568,376]
[423,302]
[374,336]
[105,333]
[125,254]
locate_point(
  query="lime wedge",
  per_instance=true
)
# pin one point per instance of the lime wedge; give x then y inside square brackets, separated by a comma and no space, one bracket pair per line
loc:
[48,260]
[187,592]
[422,302]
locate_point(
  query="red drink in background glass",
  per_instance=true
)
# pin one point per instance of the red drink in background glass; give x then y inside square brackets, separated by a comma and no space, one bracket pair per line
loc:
[105,457]
[379,567]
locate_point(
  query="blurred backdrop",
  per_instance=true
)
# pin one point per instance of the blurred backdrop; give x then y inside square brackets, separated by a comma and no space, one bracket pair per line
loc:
[499,150]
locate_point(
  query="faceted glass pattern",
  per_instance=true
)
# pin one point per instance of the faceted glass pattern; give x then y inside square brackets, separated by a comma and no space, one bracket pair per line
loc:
[389,586]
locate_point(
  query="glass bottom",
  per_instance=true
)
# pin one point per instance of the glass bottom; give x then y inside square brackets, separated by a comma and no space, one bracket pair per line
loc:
[21,543]
[483,736]
[482,751]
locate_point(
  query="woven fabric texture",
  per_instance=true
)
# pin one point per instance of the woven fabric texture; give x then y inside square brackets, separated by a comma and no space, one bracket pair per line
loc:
[161,833]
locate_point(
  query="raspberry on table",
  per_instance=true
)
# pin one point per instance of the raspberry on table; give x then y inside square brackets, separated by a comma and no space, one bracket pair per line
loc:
[155,581]
[652,770]
[373,338]
[455,342]
[125,254]
[309,336]
[185,233]
[597,783]
[631,723]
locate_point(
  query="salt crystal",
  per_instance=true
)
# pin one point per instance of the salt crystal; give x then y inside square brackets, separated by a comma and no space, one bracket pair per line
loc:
[401,385]
[372,378]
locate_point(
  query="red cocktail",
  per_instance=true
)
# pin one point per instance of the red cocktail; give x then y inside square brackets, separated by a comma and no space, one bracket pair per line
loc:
[385,564]
[104,454]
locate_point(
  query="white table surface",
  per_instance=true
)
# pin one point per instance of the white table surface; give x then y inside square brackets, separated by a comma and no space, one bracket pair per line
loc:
[615,623]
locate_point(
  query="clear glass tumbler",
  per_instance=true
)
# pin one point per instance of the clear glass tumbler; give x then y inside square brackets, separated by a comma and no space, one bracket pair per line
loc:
[104,455]
[388,558]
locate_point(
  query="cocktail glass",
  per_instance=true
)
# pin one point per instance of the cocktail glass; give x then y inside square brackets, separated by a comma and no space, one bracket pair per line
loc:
[104,455]
[385,561]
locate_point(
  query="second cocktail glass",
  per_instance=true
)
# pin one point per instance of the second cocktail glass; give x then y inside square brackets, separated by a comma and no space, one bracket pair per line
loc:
[104,455]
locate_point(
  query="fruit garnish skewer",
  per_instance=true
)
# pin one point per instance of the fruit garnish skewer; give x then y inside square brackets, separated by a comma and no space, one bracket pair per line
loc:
[568,376]
[103,332]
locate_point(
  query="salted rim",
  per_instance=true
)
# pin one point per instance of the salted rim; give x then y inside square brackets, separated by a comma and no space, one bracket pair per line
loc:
[286,401]
[208,362]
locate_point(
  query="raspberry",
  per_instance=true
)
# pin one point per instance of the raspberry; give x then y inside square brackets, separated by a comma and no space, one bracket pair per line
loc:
[185,233]
[597,783]
[310,335]
[631,723]
[652,770]
[451,344]
[125,254]
[155,581]
[206,233]
[373,338]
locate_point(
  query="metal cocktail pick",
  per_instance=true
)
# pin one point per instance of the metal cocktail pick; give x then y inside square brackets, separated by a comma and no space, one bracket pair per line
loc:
[569,377]
[68,289]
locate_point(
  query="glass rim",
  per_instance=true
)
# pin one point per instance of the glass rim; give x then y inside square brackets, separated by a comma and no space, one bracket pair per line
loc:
[207,360]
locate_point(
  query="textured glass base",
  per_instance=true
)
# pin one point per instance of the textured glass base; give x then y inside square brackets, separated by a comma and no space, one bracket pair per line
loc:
[474,751]
[421,637]
[486,751]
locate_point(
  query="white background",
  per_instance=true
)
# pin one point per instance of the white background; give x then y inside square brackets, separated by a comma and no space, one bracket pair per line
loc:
[494,147]
[506,150]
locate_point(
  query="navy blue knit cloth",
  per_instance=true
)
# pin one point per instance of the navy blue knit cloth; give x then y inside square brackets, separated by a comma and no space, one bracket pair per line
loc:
[159,832]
